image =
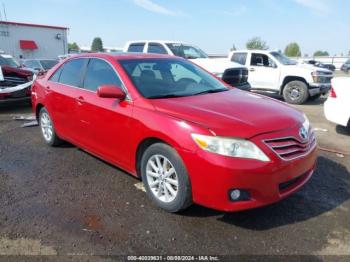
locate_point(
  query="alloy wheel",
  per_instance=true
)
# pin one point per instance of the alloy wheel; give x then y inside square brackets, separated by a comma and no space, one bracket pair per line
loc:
[162,178]
[46,126]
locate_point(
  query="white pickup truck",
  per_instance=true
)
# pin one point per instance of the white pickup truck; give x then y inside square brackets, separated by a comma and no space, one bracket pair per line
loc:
[273,72]
[232,73]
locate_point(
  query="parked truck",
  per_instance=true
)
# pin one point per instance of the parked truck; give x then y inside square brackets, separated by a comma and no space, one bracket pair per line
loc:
[273,72]
[232,73]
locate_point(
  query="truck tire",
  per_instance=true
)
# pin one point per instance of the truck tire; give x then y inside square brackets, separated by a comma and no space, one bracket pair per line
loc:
[295,92]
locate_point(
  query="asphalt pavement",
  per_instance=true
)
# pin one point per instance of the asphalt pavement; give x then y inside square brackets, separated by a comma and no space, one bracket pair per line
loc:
[65,201]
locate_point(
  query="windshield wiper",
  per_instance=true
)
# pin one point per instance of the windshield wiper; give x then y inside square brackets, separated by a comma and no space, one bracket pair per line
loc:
[164,96]
[211,91]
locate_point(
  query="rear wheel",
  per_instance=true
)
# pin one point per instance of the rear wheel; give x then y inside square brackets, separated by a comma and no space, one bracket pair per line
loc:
[295,92]
[165,178]
[47,128]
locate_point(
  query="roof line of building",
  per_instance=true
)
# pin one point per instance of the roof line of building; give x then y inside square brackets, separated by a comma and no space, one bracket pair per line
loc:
[32,25]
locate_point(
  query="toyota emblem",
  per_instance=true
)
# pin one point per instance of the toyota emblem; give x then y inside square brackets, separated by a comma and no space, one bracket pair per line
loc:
[303,133]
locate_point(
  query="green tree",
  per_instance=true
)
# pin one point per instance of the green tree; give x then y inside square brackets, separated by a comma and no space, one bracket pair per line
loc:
[233,48]
[292,50]
[73,47]
[321,53]
[257,43]
[97,45]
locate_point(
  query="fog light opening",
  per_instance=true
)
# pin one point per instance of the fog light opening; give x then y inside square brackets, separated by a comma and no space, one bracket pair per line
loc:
[239,195]
[235,194]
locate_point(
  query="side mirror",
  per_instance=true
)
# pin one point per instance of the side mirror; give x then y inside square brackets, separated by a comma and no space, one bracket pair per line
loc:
[111,91]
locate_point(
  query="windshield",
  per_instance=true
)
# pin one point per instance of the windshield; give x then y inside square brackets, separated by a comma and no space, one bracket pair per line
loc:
[161,78]
[283,59]
[48,64]
[186,51]
[8,61]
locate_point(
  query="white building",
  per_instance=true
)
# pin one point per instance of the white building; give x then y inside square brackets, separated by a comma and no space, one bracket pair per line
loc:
[23,40]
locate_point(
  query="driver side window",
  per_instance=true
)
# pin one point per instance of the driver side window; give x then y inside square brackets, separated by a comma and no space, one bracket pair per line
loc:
[261,60]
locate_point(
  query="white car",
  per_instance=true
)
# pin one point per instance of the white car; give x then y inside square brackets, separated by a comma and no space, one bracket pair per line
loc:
[337,106]
[273,72]
[232,73]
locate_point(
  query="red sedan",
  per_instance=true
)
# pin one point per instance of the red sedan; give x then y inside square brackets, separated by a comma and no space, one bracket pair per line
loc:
[189,136]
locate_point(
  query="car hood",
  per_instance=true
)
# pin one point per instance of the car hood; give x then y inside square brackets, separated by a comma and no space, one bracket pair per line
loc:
[311,68]
[17,71]
[215,65]
[232,113]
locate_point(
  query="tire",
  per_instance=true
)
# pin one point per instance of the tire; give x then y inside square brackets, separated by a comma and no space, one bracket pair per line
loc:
[156,180]
[295,92]
[47,128]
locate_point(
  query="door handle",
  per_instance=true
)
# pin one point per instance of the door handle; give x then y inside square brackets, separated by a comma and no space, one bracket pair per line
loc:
[80,100]
[251,69]
[47,90]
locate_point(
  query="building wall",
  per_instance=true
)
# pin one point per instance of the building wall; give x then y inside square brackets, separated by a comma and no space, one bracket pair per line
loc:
[45,38]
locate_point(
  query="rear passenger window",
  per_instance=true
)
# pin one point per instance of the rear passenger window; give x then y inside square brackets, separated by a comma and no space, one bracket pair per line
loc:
[72,72]
[56,76]
[155,48]
[239,58]
[99,73]
[136,48]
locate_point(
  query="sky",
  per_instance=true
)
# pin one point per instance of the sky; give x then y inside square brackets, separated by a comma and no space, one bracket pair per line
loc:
[213,25]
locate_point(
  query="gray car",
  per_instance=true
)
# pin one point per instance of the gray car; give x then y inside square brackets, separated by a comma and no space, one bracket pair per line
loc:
[39,65]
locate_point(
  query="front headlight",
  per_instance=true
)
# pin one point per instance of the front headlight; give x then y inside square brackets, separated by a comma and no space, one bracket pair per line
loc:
[233,147]
[319,76]
[306,123]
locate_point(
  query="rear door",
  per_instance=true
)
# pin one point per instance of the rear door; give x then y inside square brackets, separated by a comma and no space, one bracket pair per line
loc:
[104,122]
[63,92]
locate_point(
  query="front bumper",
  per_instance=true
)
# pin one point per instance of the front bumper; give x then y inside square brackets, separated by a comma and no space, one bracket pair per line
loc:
[317,88]
[335,112]
[213,176]
[246,86]
[18,93]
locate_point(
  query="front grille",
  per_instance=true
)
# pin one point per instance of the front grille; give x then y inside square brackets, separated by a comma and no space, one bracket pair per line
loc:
[10,81]
[289,148]
[235,76]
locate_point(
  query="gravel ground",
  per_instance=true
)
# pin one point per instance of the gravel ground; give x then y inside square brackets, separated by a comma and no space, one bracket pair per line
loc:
[64,201]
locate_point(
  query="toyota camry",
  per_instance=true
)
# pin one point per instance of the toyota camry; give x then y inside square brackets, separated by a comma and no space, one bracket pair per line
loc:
[190,137]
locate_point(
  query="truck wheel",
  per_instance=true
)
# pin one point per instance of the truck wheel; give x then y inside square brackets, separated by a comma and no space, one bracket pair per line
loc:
[295,92]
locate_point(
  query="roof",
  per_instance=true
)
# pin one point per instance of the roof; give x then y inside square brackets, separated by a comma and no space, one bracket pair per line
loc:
[254,51]
[32,25]
[157,41]
[122,56]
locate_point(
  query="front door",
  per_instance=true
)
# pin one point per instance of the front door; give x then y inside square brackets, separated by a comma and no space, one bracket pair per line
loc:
[263,72]
[104,122]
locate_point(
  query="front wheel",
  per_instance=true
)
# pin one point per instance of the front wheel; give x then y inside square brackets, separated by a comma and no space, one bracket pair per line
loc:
[295,92]
[165,178]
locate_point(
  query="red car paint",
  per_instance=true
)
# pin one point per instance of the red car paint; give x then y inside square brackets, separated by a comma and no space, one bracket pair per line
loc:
[115,130]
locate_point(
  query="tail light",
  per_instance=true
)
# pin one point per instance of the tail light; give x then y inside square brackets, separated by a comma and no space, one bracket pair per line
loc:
[332,93]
